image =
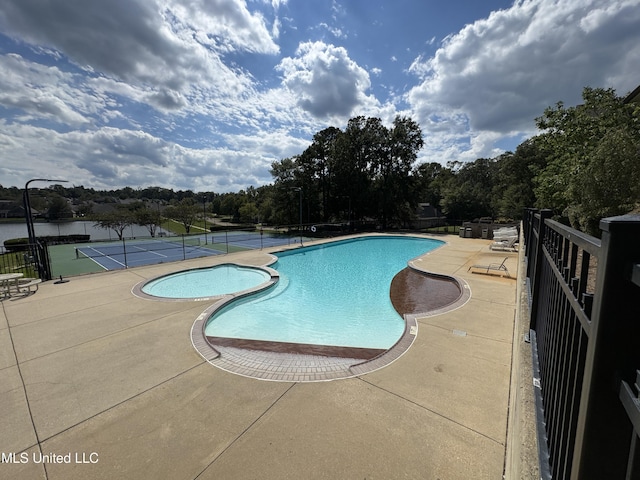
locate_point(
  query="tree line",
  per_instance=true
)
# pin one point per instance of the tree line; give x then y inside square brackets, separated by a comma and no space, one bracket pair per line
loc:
[584,165]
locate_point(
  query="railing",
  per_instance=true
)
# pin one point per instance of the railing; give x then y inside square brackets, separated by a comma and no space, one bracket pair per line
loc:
[585,334]
[32,260]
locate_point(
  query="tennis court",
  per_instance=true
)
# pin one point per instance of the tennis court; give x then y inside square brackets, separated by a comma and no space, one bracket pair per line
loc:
[134,253]
[114,255]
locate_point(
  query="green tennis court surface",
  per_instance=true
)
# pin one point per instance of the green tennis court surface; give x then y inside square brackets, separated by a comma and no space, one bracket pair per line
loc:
[93,257]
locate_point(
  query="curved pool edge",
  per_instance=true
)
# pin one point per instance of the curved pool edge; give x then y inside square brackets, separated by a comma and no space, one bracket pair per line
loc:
[136,290]
[465,292]
[293,367]
[392,354]
[410,333]
[309,368]
[251,364]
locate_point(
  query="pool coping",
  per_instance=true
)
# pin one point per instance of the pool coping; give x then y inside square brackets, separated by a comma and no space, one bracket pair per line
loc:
[297,367]
[274,277]
[272,366]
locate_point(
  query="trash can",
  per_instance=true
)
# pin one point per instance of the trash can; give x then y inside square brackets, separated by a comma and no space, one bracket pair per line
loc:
[461,232]
[468,232]
[485,233]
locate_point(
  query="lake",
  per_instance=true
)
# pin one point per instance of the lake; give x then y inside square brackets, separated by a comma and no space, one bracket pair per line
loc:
[19,230]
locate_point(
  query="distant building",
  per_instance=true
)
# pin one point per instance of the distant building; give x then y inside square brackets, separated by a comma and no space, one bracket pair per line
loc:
[428,216]
[633,97]
[13,209]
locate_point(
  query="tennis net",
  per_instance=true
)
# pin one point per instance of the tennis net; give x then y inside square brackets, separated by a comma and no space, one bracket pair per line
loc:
[136,246]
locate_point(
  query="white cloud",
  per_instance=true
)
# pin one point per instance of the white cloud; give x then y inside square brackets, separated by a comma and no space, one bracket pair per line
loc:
[169,47]
[503,71]
[325,80]
[38,92]
[186,93]
[222,24]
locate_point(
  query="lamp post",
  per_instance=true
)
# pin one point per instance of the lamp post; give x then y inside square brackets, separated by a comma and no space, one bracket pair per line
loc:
[204,217]
[29,219]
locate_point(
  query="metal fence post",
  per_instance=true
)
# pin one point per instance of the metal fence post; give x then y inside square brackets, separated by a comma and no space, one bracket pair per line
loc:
[613,354]
[537,238]
[124,251]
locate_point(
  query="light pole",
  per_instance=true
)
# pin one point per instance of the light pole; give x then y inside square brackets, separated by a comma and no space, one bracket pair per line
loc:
[204,217]
[29,219]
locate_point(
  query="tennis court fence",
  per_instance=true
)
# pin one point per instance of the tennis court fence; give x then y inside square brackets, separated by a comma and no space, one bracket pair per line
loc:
[103,255]
[137,245]
[57,257]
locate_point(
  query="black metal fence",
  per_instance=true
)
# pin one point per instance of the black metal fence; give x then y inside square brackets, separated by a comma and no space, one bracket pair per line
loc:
[30,259]
[585,333]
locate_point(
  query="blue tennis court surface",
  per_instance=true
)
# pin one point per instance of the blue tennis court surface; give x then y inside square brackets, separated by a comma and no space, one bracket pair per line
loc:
[137,252]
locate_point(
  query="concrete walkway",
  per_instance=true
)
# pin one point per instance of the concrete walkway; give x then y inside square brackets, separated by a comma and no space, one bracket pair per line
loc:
[97,383]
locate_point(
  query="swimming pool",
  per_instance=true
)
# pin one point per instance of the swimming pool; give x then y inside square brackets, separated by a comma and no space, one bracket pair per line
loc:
[334,294]
[206,282]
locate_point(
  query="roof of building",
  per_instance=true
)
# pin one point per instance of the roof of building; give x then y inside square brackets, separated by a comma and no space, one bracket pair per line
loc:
[633,97]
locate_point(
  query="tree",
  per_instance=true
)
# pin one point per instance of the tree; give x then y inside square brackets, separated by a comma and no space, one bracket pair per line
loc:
[286,173]
[317,165]
[515,173]
[466,194]
[398,153]
[59,208]
[594,164]
[248,212]
[356,153]
[185,212]
[147,217]
[428,179]
[363,171]
[117,220]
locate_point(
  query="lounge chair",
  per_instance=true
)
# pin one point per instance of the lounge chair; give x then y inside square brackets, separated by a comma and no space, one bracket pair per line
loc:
[505,243]
[498,267]
[505,230]
[501,233]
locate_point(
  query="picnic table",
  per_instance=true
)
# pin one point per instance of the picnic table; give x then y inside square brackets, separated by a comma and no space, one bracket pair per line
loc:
[7,281]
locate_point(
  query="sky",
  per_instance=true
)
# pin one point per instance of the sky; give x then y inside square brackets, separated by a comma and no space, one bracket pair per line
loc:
[205,95]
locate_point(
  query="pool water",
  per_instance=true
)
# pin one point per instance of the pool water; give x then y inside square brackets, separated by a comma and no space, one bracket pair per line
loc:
[206,282]
[333,294]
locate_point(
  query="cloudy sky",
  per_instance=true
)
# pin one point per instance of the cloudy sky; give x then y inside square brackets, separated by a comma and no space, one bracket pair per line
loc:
[206,94]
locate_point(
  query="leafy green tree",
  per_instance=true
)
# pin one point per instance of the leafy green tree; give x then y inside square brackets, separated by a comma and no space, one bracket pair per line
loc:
[317,165]
[147,217]
[286,173]
[118,221]
[363,171]
[466,195]
[186,212]
[248,212]
[59,208]
[428,179]
[515,173]
[392,170]
[357,151]
[594,159]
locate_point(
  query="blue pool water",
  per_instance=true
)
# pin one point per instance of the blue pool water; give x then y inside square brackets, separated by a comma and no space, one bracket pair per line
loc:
[334,294]
[206,282]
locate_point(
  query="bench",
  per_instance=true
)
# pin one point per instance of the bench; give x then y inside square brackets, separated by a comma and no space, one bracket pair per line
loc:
[25,284]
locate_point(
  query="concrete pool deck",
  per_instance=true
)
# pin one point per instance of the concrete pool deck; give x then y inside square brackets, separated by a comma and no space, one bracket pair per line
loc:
[111,383]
